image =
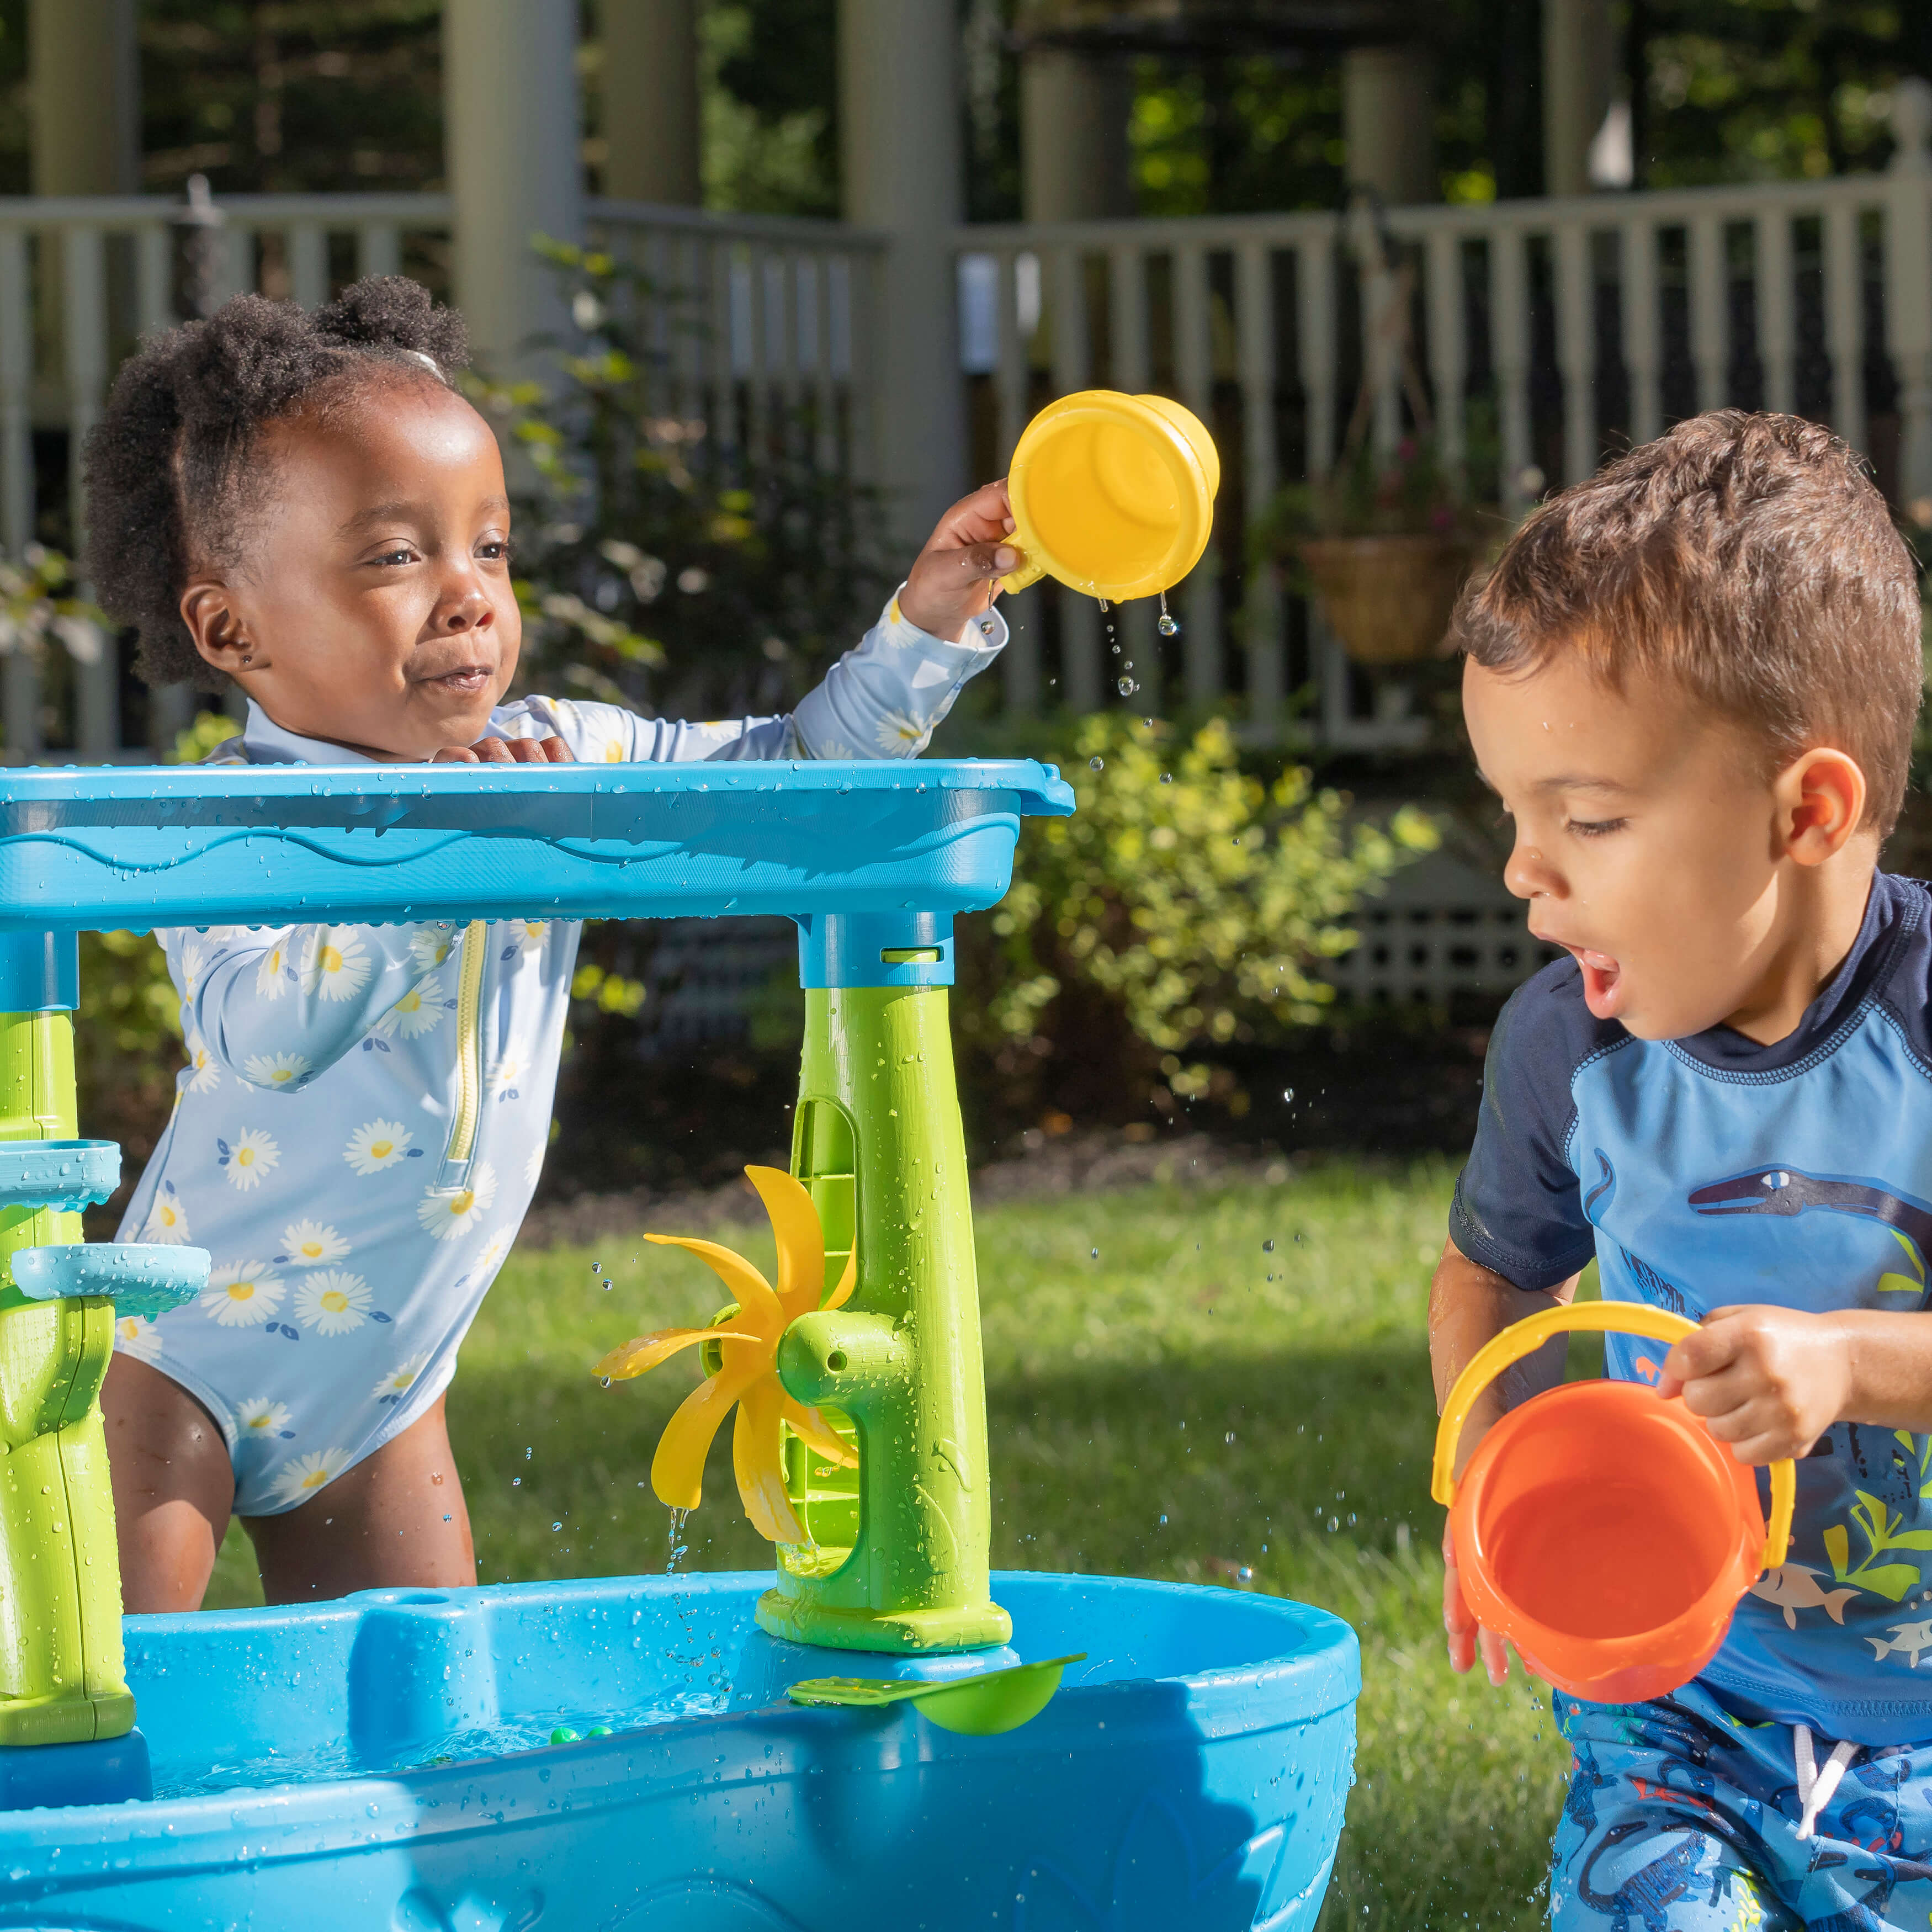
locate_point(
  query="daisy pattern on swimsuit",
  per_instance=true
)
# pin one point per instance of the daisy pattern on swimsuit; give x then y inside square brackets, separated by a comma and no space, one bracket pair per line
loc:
[533,1164]
[377,1145]
[332,1301]
[494,1250]
[250,1155]
[338,965]
[503,1076]
[307,1474]
[205,1076]
[260,1420]
[134,1335]
[273,975]
[431,945]
[419,1011]
[276,1070]
[167,1219]
[400,1380]
[523,935]
[447,1214]
[310,1244]
[240,1294]
[895,731]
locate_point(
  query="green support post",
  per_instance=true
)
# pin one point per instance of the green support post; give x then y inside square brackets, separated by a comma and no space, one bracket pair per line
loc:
[61,1665]
[899,1554]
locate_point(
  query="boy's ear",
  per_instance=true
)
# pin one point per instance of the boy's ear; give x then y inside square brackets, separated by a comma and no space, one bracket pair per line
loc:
[211,612]
[1821,804]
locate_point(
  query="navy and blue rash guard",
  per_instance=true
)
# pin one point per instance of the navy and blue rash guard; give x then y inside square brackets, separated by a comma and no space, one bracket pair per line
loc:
[1709,1170]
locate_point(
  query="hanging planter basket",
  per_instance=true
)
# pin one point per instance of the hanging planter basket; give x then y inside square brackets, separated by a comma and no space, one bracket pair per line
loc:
[1389,599]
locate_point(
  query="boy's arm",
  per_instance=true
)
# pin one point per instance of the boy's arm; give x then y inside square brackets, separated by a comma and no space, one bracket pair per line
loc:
[1469,1306]
[1771,1381]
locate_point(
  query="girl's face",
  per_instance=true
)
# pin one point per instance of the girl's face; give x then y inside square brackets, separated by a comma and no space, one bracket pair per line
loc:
[373,607]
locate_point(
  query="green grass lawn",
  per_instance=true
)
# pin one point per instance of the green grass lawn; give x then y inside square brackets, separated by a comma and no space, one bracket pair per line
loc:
[1188,1401]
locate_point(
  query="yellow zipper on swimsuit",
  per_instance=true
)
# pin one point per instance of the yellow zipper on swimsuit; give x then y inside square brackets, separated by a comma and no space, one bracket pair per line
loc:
[468,1052]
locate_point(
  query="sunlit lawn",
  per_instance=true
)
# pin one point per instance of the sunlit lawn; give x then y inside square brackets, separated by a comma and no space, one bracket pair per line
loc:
[1187,1402]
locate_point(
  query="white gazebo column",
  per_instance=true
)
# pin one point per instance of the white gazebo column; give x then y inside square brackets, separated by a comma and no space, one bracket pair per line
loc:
[899,152]
[1073,136]
[1579,57]
[84,96]
[513,152]
[651,126]
[1388,110]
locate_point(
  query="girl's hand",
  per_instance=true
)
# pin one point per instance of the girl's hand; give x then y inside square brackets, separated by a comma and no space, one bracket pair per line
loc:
[1767,1381]
[956,577]
[1467,1639]
[493,751]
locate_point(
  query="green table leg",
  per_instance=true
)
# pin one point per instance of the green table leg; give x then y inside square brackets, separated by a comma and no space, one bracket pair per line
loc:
[60,1664]
[878,1143]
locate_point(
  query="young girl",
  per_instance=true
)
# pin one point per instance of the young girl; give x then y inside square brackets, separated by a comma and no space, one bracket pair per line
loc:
[305,506]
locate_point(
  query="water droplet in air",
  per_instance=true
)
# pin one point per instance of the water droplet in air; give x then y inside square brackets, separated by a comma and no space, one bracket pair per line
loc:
[557,1525]
[1167,777]
[1268,1246]
[1287,1093]
[1102,601]
[1095,1252]
[1127,687]
[1166,625]
[1099,764]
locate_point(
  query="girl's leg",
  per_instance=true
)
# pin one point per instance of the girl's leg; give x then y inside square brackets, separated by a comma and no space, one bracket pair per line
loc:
[396,1520]
[174,1486]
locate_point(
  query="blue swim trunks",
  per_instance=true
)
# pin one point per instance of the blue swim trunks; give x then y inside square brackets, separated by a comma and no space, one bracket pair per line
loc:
[1683,1818]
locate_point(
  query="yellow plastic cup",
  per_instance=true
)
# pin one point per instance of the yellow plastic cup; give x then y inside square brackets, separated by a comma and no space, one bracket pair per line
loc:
[1113,495]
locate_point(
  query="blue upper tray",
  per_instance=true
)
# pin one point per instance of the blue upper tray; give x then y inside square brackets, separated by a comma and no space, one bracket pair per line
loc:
[83,849]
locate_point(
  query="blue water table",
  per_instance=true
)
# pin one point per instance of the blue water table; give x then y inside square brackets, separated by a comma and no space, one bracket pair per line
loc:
[822,1748]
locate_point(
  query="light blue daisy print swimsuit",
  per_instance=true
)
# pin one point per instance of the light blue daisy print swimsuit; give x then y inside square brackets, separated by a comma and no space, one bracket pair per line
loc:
[364,1111]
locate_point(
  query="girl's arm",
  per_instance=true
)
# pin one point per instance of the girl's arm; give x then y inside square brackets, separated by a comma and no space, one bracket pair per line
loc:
[883,700]
[275,1007]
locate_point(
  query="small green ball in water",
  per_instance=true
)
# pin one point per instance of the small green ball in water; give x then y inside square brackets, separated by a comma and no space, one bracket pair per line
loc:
[563,1735]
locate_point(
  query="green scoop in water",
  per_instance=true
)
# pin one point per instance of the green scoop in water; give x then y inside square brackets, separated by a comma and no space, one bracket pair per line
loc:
[977,1707]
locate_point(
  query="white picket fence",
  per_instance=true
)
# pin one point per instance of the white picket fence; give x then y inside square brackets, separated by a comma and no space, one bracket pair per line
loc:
[1546,331]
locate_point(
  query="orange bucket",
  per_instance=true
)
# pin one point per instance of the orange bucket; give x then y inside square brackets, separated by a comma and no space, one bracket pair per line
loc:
[1600,1529]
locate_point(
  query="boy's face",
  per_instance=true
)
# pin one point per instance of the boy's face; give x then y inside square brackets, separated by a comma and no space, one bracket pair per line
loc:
[1648,842]
[374,608]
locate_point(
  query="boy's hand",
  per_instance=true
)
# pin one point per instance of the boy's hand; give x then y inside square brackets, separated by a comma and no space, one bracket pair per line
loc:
[494,751]
[1767,1381]
[956,577]
[1467,1639]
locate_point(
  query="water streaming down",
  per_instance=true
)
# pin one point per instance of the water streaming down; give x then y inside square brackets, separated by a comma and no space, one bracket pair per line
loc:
[1168,626]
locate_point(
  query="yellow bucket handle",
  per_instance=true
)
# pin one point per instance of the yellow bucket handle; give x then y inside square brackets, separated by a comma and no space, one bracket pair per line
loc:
[1595,1318]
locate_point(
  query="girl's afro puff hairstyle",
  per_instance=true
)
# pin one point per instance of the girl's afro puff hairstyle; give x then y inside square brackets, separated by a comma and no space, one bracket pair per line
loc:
[168,466]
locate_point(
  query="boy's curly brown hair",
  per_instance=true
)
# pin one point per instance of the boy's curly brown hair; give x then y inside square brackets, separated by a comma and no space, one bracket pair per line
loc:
[1746,558]
[173,468]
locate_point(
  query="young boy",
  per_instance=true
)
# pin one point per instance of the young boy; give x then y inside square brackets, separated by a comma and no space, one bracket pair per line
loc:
[1693,681]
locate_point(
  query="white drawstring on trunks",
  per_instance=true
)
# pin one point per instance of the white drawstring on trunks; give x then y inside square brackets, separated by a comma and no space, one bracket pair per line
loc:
[1815,1787]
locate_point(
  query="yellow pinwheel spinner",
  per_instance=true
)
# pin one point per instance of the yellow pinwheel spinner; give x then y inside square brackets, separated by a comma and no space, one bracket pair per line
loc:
[747,1336]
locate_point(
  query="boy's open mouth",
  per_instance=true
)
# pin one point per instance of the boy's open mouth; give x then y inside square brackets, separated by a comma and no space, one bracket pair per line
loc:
[1601,977]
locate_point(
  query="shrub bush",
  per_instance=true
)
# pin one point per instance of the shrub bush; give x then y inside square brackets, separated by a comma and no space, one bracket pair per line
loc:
[1186,906]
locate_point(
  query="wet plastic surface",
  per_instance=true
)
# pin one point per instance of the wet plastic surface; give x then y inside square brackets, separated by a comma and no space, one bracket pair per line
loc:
[383,1762]
[231,845]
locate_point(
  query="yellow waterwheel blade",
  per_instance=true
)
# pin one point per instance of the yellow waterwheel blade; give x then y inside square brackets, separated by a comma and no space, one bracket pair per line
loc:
[755,1460]
[809,1424]
[645,1352]
[848,1281]
[677,1469]
[758,1305]
[801,1240]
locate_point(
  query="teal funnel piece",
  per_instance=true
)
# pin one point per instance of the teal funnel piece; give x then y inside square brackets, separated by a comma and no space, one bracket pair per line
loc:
[140,1278]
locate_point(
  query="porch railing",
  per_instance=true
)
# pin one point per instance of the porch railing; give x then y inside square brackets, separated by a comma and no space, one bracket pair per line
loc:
[1547,332]
[749,316]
